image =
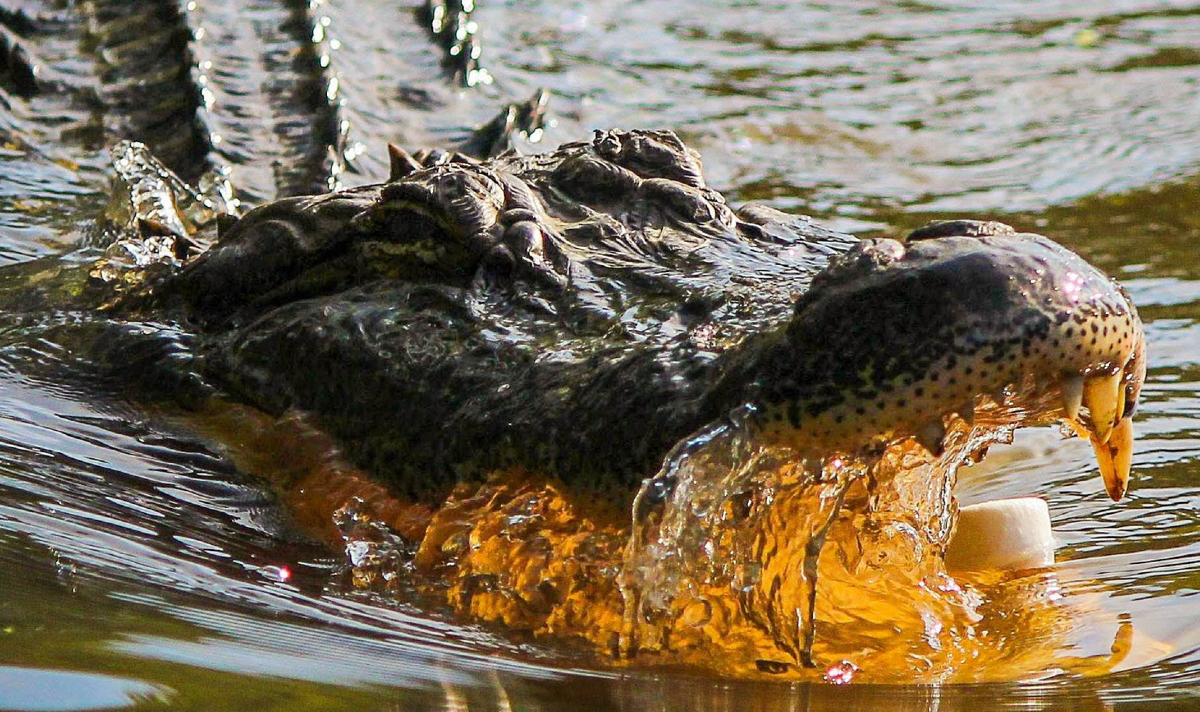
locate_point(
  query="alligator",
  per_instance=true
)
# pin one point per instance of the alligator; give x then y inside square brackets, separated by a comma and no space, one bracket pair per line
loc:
[542,311]
[583,316]
[532,354]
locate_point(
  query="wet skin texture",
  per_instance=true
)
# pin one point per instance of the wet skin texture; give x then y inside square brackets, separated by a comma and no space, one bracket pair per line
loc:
[579,312]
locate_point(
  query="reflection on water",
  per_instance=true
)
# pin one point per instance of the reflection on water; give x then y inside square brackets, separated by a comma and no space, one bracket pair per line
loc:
[25,689]
[140,567]
[933,106]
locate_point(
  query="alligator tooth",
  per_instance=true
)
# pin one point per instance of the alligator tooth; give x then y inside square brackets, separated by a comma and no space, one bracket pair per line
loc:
[1101,395]
[1116,458]
[931,435]
[1080,429]
[1072,395]
[402,163]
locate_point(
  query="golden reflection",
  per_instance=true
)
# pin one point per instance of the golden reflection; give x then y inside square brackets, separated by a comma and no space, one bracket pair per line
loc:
[719,573]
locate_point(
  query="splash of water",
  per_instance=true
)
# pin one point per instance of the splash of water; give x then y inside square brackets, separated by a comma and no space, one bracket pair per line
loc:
[728,539]
[747,557]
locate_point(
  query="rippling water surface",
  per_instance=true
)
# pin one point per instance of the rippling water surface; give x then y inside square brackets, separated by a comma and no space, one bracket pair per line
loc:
[139,567]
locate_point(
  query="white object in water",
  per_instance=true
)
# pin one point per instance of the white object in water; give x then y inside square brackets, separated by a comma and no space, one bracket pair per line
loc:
[1004,534]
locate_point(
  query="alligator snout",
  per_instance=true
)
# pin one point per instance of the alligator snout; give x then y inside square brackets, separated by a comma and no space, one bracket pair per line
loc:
[894,339]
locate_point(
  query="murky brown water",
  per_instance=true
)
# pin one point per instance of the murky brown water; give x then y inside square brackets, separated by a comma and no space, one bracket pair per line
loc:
[142,568]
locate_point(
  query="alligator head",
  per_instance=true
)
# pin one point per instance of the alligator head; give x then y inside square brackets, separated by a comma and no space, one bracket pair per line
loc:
[895,338]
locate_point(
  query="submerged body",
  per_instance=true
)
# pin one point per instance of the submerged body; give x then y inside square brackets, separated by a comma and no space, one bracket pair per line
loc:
[572,319]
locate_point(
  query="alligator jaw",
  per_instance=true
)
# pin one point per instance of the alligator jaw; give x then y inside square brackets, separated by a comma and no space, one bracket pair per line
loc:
[893,339]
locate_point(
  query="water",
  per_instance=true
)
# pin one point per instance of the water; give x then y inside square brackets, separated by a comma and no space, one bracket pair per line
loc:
[141,567]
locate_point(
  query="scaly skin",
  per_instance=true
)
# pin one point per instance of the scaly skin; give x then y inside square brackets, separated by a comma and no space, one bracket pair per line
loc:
[579,312]
[897,334]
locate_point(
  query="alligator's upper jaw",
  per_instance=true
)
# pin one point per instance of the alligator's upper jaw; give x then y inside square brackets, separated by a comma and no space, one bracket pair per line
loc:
[895,338]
